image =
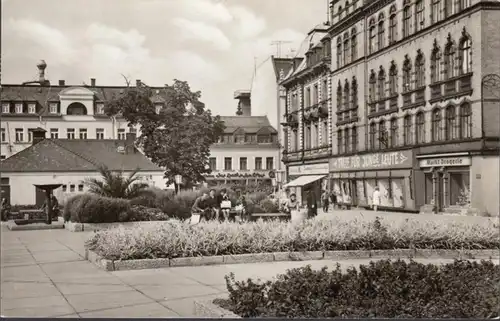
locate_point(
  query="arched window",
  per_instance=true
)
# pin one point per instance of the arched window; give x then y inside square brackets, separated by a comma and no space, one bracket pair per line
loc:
[346,95]
[393,79]
[340,141]
[461,5]
[347,55]
[419,70]
[381,84]
[373,136]
[451,127]
[420,128]
[406,18]
[437,9]
[354,93]
[76,109]
[449,59]
[382,135]
[339,52]
[381,31]
[339,96]
[465,55]
[406,74]
[354,139]
[436,125]
[419,15]
[407,130]
[372,84]
[354,45]
[347,140]
[372,37]
[393,142]
[465,121]
[435,63]
[393,25]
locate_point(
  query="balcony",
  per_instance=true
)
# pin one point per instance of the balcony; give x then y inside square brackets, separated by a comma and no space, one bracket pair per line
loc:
[419,98]
[323,109]
[291,119]
[450,87]
[292,156]
[453,88]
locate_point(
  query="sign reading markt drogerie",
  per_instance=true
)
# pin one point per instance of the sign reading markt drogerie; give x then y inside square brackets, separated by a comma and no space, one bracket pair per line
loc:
[399,159]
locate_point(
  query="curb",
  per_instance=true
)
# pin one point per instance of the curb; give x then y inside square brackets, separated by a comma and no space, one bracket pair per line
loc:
[14,227]
[122,265]
[207,309]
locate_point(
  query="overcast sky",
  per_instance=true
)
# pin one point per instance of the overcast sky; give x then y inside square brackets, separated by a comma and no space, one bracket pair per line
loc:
[209,43]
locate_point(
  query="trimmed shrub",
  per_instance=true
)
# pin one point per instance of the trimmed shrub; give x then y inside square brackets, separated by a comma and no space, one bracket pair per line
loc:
[89,208]
[269,206]
[382,289]
[142,213]
[69,207]
[180,239]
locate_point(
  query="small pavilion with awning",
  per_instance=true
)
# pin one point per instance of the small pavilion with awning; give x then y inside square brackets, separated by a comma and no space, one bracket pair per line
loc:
[303,183]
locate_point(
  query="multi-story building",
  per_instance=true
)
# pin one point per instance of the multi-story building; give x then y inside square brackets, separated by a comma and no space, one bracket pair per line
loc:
[64,111]
[415,103]
[247,152]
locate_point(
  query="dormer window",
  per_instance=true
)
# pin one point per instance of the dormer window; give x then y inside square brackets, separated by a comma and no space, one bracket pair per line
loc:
[5,108]
[264,139]
[53,108]
[158,108]
[31,108]
[100,108]
[19,108]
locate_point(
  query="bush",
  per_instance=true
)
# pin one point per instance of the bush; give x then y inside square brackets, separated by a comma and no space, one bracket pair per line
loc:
[383,289]
[89,208]
[69,206]
[153,198]
[269,206]
[180,239]
[142,213]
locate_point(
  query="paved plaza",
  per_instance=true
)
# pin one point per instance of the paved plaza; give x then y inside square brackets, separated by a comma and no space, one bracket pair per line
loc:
[44,273]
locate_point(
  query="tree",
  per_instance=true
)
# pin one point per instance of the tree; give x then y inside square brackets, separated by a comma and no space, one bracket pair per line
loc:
[115,184]
[178,138]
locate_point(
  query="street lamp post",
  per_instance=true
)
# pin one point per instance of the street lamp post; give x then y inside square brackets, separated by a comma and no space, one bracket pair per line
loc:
[178,182]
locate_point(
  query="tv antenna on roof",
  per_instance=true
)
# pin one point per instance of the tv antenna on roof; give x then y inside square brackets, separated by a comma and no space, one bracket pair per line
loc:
[278,44]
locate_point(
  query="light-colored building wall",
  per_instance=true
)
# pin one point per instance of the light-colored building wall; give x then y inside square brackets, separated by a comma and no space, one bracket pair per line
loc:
[251,153]
[484,187]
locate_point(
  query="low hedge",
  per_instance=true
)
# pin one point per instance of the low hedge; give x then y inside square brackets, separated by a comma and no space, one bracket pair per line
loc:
[382,289]
[179,239]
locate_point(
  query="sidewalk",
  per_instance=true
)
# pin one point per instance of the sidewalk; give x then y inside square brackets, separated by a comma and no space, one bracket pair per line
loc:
[43,274]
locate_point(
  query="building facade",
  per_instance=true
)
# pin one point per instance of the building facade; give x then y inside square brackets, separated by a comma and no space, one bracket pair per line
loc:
[415,103]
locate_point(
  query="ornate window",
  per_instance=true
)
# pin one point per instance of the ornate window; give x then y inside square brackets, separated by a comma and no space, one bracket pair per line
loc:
[393,142]
[346,95]
[381,31]
[354,139]
[461,5]
[419,15]
[340,141]
[465,121]
[449,59]
[435,63]
[347,55]
[406,74]
[437,10]
[465,55]
[339,96]
[451,127]
[420,128]
[419,70]
[354,45]
[347,140]
[354,93]
[407,130]
[393,25]
[436,125]
[381,83]
[373,136]
[372,35]
[406,18]
[382,135]
[393,79]
[339,52]
[372,85]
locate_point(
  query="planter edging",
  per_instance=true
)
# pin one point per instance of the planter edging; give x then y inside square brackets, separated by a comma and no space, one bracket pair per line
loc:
[12,226]
[208,309]
[122,265]
[73,226]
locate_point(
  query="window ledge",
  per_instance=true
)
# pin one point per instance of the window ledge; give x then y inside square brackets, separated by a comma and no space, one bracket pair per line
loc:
[383,112]
[451,96]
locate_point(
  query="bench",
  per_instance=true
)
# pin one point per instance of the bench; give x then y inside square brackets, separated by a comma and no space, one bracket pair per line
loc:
[32,214]
[266,216]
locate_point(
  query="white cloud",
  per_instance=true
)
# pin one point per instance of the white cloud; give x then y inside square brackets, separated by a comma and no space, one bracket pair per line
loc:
[248,24]
[193,67]
[197,30]
[206,10]
[97,32]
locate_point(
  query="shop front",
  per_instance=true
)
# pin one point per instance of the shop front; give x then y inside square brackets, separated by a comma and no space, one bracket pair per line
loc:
[239,178]
[307,177]
[355,178]
[447,180]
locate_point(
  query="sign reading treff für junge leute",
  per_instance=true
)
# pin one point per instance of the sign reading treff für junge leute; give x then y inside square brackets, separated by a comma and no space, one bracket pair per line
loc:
[401,159]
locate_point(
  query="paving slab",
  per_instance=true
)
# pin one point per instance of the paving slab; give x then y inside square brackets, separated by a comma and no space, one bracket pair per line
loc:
[166,276]
[185,307]
[33,302]
[148,310]
[16,290]
[101,301]
[42,311]
[54,256]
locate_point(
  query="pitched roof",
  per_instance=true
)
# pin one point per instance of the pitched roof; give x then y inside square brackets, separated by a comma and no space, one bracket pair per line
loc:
[250,124]
[62,155]
[282,67]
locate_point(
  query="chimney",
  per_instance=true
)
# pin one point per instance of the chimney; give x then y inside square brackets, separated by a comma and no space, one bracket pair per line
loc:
[62,83]
[41,71]
[138,83]
[92,82]
[244,103]
[38,135]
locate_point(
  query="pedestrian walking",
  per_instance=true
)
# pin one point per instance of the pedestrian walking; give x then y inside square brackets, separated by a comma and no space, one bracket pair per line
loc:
[333,199]
[376,199]
[312,206]
[325,200]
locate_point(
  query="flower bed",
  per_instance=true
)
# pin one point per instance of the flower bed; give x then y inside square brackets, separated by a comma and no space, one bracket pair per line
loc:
[383,289]
[175,239]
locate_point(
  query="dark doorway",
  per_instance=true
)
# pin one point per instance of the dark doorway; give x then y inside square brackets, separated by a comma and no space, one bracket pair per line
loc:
[39,197]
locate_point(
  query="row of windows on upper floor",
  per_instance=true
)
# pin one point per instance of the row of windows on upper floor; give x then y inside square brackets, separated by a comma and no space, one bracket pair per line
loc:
[243,164]
[447,124]
[71,133]
[248,139]
[347,44]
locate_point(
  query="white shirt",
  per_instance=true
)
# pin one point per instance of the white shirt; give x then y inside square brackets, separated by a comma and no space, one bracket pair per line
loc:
[376,198]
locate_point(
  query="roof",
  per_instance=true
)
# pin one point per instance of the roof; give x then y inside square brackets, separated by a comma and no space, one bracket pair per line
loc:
[250,124]
[282,67]
[63,155]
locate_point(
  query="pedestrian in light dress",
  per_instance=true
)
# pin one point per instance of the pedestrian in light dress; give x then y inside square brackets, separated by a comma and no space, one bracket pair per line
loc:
[376,199]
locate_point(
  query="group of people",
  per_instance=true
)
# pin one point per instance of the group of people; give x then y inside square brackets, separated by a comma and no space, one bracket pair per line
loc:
[217,206]
[5,209]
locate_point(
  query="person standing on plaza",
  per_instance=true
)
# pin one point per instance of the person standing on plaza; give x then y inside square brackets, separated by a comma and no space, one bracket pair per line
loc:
[312,206]
[325,200]
[333,199]
[376,199]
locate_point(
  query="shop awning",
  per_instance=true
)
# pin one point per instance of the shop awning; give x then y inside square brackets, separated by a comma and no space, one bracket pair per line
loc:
[303,180]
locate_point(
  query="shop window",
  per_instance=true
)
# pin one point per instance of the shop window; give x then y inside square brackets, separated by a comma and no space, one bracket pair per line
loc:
[360,192]
[397,192]
[428,188]
[384,185]
[370,185]
[459,188]
[436,125]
